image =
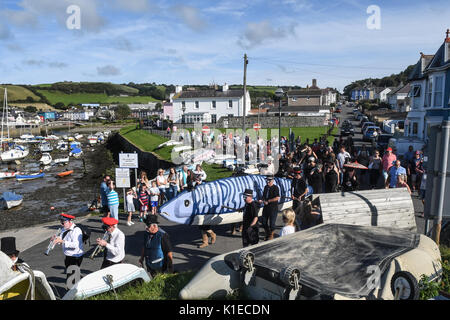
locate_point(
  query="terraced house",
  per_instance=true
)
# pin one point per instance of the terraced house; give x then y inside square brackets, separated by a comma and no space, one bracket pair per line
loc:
[208,105]
[430,92]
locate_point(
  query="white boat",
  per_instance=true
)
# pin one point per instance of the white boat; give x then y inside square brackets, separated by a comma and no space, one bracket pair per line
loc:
[182,148]
[46,158]
[92,139]
[17,153]
[6,175]
[106,133]
[45,147]
[61,161]
[27,137]
[170,143]
[15,285]
[52,137]
[11,199]
[62,145]
[105,280]
[78,136]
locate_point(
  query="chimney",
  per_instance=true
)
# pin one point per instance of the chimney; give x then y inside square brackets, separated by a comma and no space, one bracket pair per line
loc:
[178,89]
[225,87]
[447,36]
[314,83]
[447,46]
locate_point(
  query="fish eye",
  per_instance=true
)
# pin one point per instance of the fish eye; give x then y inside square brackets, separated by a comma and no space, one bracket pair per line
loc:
[186,203]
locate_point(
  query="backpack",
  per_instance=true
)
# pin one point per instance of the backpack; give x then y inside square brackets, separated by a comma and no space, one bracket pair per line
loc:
[86,234]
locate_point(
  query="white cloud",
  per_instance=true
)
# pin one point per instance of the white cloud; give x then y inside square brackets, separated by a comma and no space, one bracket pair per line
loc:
[191,17]
[257,33]
[108,70]
[136,6]
[34,10]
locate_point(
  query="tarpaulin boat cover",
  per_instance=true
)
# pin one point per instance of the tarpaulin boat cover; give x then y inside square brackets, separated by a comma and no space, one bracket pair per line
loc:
[337,258]
[10,196]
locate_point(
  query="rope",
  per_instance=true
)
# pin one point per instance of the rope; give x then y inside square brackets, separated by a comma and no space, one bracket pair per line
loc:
[32,286]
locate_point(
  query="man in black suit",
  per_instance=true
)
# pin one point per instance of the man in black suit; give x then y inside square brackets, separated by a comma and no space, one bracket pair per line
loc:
[8,246]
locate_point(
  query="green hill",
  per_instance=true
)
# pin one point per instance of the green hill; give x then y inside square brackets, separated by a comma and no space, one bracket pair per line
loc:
[18,94]
[54,97]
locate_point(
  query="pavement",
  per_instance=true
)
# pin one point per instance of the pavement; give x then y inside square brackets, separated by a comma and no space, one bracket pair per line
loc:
[33,242]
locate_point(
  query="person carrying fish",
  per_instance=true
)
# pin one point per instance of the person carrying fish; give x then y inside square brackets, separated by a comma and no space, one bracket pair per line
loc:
[271,196]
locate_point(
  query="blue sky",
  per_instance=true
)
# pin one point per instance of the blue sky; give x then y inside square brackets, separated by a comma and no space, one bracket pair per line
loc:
[288,42]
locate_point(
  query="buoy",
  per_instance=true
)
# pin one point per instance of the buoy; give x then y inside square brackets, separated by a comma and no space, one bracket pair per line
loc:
[52,208]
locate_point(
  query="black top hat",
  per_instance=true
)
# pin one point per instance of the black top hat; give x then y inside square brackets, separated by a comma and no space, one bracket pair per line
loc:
[248,193]
[269,178]
[8,246]
[151,219]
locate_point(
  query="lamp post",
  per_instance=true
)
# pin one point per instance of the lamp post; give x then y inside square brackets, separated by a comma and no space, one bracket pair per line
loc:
[279,93]
[183,108]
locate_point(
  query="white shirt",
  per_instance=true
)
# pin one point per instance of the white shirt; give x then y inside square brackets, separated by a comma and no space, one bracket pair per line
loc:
[202,173]
[341,157]
[116,246]
[287,230]
[154,190]
[73,242]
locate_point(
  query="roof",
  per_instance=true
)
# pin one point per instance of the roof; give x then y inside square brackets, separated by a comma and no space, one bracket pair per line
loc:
[305,92]
[438,59]
[209,93]
[299,109]
[401,89]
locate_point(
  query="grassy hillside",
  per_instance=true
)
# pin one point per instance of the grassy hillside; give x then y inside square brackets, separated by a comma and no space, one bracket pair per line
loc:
[17,93]
[38,105]
[76,98]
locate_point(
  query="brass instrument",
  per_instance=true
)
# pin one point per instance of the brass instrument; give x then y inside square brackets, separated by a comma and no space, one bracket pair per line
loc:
[52,243]
[99,248]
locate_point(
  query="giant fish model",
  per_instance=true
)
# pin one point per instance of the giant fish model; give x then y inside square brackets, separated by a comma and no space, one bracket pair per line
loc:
[218,202]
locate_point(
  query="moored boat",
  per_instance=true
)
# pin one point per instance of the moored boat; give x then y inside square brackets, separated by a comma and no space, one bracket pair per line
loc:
[65,173]
[61,161]
[11,199]
[6,175]
[31,176]
[17,153]
[46,158]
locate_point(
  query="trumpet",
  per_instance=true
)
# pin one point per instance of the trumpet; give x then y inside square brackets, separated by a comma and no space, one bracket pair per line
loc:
[52,243]
[99,248]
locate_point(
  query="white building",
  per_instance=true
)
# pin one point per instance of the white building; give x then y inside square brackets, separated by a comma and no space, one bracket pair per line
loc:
[398,98]
[208,106]
[381,93]
[79,115]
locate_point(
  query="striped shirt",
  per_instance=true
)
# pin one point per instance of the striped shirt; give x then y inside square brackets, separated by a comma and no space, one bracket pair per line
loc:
[143,196]
[113,198]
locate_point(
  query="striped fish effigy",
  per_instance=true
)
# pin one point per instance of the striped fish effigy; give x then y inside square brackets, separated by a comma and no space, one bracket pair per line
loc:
[217,202]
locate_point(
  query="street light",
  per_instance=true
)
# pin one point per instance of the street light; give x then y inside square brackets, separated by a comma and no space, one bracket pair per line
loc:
[279,93]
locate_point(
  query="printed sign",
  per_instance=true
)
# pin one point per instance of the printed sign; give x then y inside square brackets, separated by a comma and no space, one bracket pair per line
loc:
[128,160]
[123,178]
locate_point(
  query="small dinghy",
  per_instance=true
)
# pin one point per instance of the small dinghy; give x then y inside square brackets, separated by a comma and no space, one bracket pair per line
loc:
[46,158]
[26,284]
[105,280]
[11,199]
[61,161]
[170,143]
[65,173]
[6,175]
[22,177]
[45,147]
[92,139]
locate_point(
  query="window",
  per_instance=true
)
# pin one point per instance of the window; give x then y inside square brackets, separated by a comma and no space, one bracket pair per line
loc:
[213,105]
[183,105]
[213,118]
[429,92]
[415,94]
[415,128]
[438,91]
[230,104]
[197,105]
[230,115]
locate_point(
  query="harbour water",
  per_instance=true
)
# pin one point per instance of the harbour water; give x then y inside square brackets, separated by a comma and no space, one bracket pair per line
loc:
[71,194]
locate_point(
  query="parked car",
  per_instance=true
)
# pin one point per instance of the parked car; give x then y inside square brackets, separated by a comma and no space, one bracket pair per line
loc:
[338,110]
[358,116]
[347,130]
[365,125]
[362,120]
[383,141]
[371,133]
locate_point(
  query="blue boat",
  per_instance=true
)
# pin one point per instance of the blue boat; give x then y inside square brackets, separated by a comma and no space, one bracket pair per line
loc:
[22,177]
[11,199]
[218,202]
